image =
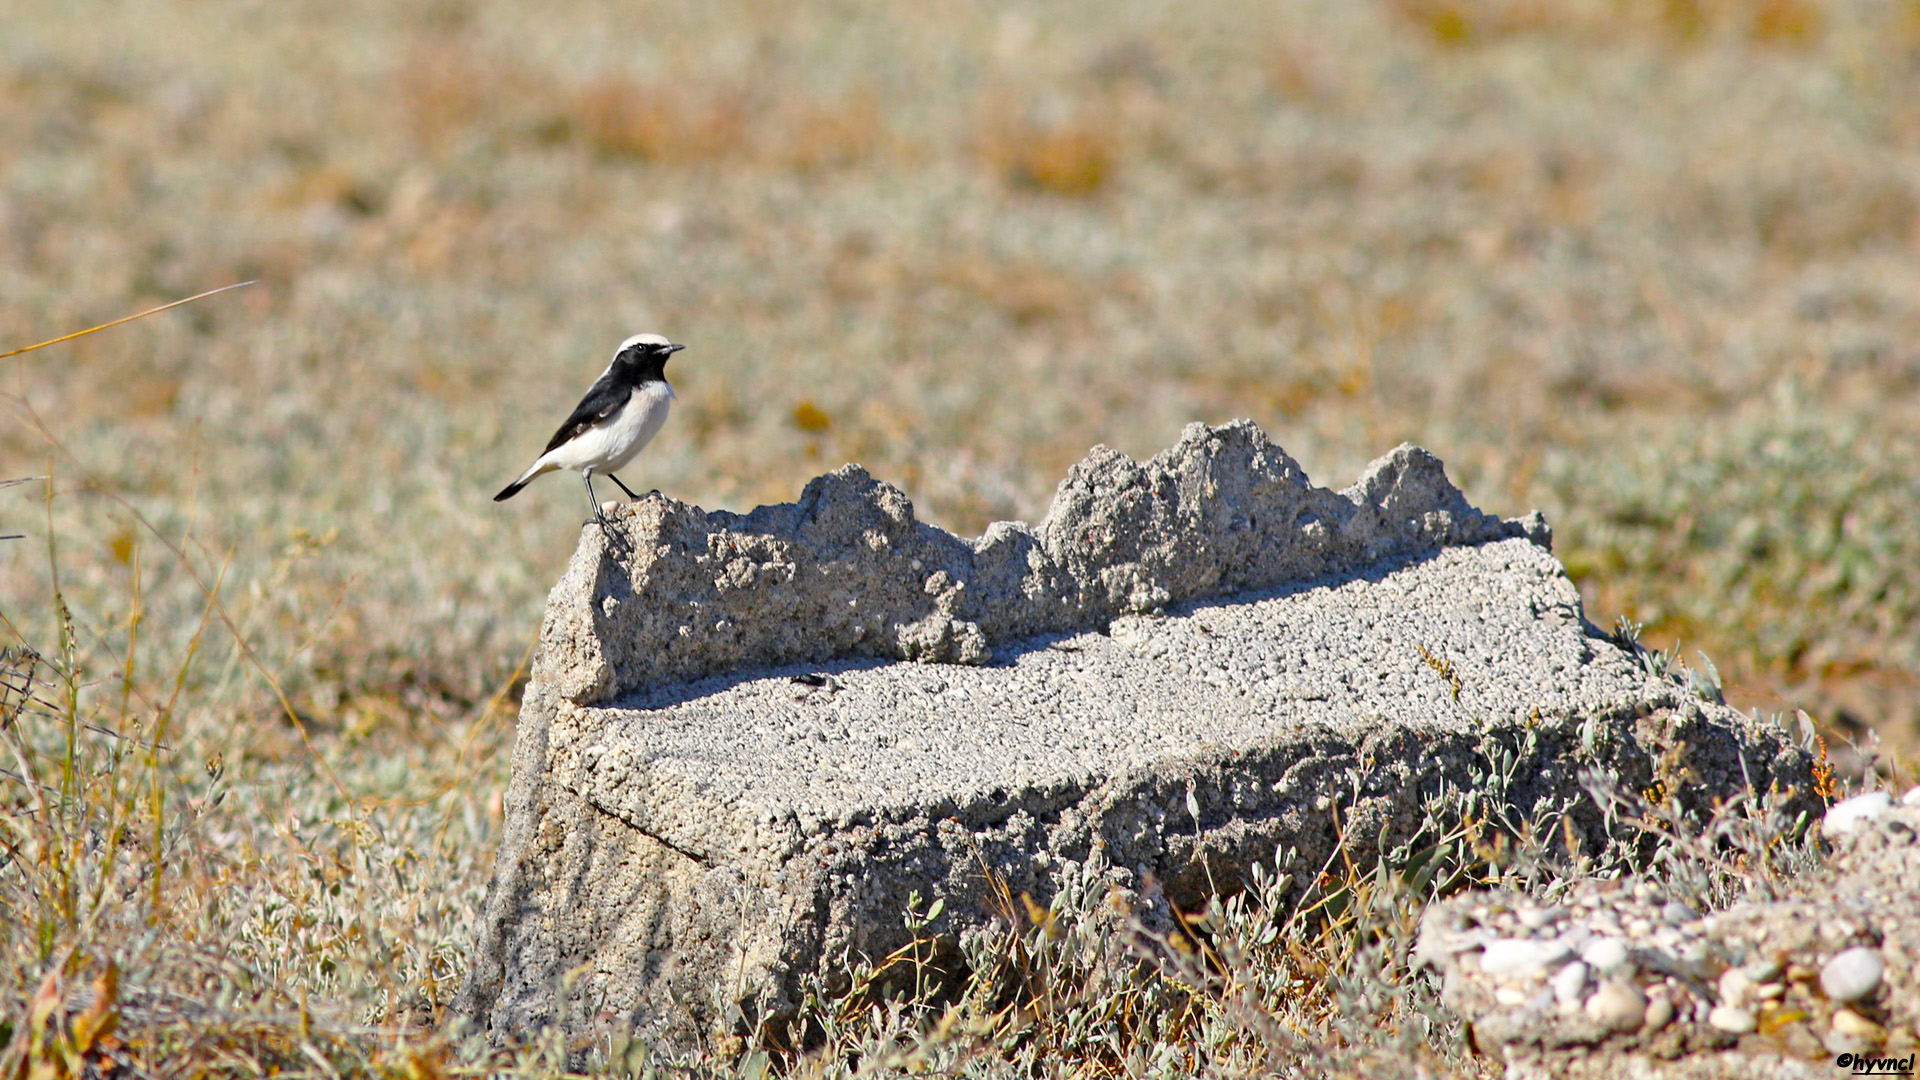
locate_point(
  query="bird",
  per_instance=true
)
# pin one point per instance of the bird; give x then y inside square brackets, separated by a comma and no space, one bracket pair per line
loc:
[620,414]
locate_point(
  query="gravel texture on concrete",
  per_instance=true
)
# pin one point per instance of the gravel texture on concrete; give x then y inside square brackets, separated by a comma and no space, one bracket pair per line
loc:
[1617,979]
[718,791]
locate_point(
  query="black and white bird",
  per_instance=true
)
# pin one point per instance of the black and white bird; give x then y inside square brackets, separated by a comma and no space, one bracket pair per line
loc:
[620,415]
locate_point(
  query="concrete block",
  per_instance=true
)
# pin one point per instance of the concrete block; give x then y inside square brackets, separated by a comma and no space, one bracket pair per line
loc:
[726,778]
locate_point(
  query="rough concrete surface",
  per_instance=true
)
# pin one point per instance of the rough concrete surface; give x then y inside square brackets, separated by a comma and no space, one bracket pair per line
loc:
[1615,981]
[847,571]
[725,781]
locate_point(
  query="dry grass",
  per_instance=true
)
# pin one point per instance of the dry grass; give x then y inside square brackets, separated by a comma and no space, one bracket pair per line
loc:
[1646,264]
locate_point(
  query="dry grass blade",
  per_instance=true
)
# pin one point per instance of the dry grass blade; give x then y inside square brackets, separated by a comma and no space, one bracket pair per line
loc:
[125,319]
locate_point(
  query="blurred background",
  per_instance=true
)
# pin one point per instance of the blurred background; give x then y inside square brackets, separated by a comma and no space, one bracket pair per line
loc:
[1651,266]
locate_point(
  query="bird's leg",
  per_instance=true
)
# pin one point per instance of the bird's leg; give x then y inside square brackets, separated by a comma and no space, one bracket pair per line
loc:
[623,487]
[599,515]
[614,539]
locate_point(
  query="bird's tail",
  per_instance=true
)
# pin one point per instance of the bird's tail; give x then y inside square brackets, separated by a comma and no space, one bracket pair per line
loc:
[526,478]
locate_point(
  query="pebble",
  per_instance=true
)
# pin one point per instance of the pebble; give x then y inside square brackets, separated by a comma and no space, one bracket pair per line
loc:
[1911,798]
[1736,989]
[1605,954]
[1618,1006]
[1729,1018]
[1762,970]
[1521,956]
[1535,918]
[1678,914]
[1849,814]
[1853,974]
[1659,1013]
[1570,984]
[1848,1022]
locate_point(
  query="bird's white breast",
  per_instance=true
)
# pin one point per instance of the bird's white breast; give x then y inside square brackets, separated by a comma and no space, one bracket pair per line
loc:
[608,446]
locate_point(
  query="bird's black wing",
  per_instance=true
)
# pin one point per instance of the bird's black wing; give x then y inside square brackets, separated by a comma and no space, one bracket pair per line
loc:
[605,397]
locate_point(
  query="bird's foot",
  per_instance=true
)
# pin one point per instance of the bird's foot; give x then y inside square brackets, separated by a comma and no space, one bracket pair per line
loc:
[617,541]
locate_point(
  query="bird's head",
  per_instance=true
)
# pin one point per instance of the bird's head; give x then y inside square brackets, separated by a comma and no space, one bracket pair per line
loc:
[648,352]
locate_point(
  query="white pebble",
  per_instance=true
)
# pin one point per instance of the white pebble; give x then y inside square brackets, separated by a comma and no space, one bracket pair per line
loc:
[1853,974]
[1521,956]
[1605,955]
[1535,918]
[1659,1013]
[1735,988]
[1509,995]
[1729,1018]
[1570,983]
[1617,1006]
[1911,798]
[1848,814]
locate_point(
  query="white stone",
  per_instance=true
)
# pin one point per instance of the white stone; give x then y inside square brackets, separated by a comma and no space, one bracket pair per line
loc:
[1570,983]
[1848,814]
[1605,954]
[1735,988]
[1728,1018]
[1911,798]
[1617,1006]
[1522,956]
[1535,918]
[1853,974]
[1510,995]
[1659,1013]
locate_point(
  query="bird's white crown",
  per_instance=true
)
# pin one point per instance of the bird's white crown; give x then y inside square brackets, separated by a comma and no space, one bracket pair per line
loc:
[641,339]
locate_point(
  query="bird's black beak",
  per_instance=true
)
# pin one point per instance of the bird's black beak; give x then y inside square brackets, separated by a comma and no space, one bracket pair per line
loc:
[672,348]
